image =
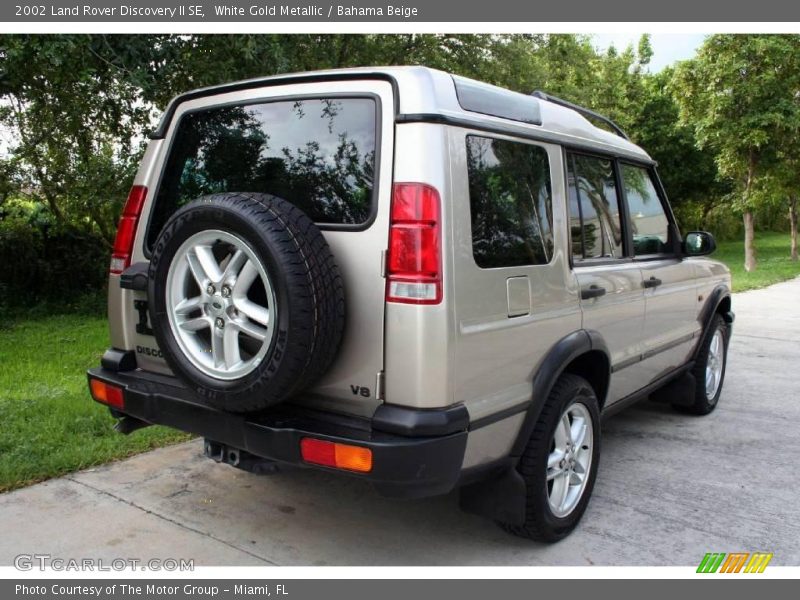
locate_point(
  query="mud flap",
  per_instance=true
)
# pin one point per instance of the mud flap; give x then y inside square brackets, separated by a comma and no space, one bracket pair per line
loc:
[501,498]
[679,391]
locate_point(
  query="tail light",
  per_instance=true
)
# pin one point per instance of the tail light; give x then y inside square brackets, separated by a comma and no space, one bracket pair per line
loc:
[338,456]
[126,230]
[414,266]
[106,393]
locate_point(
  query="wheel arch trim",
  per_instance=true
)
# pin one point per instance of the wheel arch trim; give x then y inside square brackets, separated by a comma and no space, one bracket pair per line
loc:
[500,494]
[720,297]
[563,353]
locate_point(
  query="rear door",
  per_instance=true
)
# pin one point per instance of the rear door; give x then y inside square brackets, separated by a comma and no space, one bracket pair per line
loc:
[671,301]
[612,296]
[325,147]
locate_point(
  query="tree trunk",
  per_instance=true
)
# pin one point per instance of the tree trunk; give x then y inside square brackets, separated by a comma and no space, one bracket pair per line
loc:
[749,246]
[793,222]
[749,230]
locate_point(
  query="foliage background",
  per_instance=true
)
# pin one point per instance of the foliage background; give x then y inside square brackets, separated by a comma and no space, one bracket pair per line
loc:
[76,109]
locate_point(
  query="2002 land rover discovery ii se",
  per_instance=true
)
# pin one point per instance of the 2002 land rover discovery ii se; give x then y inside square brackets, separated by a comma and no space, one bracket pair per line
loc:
[408,277]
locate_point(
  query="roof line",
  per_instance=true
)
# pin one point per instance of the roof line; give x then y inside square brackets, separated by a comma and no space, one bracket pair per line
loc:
[343,75]
[586,112]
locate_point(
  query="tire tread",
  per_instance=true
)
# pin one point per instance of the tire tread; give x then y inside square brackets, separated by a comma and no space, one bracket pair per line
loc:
[315,286]
[536,526]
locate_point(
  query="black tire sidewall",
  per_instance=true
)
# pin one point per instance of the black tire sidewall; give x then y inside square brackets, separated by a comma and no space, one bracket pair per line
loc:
[704,404]
[269,379]
[549,527]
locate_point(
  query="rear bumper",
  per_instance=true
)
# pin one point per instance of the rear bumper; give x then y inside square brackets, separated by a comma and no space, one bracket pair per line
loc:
[402,465]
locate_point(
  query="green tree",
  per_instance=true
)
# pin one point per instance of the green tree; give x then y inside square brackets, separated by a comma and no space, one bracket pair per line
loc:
[688,173]
[781,185]
[740,95]
[78,119]
[793,224]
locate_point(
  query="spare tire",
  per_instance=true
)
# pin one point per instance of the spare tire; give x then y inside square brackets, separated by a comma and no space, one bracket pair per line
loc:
[246,300]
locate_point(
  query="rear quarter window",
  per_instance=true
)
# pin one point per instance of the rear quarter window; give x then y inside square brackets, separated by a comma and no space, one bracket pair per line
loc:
[511,206]
[317,153]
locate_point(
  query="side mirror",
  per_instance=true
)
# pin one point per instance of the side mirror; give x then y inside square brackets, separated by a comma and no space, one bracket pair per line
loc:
[699,243]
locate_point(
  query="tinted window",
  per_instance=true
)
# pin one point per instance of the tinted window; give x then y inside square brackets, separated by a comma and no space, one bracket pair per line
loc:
[649,223]
[510,203]
[594,208]
[318,153]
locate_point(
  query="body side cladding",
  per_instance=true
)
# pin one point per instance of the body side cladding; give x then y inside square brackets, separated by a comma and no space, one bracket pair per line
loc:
[681,378]
[653,352]
[502,496]
[566,351]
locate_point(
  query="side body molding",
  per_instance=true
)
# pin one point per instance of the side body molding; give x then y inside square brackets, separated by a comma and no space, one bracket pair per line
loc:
[503,496]
[565,351]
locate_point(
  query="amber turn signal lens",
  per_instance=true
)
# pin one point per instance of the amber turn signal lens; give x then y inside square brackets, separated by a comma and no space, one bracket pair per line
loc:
[337,456]
[353,458]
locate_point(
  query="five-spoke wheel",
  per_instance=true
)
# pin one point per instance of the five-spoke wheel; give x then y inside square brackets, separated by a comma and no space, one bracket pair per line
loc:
[715,363]
[559,464]
[570,459]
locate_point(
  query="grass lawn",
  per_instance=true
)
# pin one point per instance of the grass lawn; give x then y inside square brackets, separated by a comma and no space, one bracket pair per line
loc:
[49,425]
[772,254]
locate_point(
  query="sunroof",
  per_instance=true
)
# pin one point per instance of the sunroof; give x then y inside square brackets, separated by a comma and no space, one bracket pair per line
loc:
[496,102]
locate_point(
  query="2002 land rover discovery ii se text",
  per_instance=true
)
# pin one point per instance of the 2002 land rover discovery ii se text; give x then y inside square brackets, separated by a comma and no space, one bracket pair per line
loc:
[409,277]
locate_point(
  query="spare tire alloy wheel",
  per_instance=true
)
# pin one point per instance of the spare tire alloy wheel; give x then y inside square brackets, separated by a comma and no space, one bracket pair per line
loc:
[246,300]
[220,329]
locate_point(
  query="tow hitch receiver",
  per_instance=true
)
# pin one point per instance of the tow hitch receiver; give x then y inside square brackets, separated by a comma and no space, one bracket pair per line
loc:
[241,459]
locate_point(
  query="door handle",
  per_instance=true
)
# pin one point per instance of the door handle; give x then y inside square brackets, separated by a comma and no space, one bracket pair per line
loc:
[652,282]
[593,291]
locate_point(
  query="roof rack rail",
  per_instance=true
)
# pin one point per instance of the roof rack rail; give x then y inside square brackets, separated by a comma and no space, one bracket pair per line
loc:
[584,111]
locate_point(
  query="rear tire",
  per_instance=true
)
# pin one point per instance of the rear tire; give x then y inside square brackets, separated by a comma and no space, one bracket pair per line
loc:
[551,470]
[248,347]
[709,370]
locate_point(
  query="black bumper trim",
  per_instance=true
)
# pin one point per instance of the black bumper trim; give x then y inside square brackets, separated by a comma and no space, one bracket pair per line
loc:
[403,466]
[420,423]
[135,277]
[118,360]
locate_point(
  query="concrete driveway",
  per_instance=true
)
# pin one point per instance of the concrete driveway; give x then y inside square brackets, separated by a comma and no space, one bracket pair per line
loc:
[670,488]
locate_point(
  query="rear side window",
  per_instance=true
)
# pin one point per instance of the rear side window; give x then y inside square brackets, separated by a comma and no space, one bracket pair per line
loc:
[510,203]
[316,153]
[594,208]
[649,223]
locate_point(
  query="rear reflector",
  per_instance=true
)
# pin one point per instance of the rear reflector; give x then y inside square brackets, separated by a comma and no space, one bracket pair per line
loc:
[126,230]
[337,456]
[106,393]
[414,265]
